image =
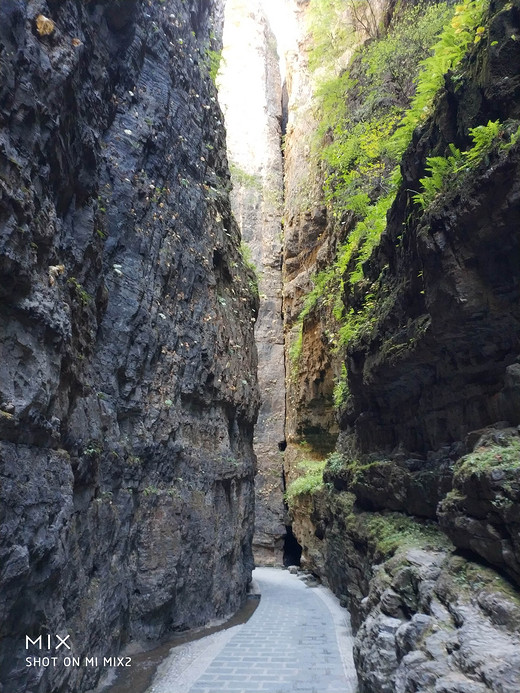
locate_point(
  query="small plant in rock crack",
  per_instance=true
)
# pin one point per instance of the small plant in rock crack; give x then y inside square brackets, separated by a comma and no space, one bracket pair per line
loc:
[79,291]
[310,482]
[230,459]
[92,450]
[335,462]
[341,389]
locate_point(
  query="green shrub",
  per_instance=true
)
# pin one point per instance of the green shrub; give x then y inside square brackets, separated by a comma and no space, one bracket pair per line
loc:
[295,350]
[341,389]
[310,481]
[335,462]
[214,60]
[331,32]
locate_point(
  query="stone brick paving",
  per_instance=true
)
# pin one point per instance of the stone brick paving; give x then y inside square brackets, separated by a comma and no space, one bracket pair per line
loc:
[293,643]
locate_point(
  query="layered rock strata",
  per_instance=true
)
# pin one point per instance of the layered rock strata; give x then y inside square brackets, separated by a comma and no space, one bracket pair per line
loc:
[250,93]
[127,387]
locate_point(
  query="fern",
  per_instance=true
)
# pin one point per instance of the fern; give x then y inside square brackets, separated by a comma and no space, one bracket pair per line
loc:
[448,52]
[440,169]
[443,170]
[484,138]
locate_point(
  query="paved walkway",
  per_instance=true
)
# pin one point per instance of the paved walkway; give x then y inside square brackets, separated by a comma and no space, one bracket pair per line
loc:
[297,641]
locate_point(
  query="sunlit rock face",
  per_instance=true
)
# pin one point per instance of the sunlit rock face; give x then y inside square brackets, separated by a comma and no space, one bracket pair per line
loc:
[250,92]
[127,375]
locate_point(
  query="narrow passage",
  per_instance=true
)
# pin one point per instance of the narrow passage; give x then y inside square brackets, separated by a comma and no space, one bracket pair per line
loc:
[298,640]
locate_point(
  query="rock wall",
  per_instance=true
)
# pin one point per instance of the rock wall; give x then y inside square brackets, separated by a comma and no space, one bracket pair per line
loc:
[311,240]
[250,93]
[310,417]
[426,618]
[428,436]
[127,377]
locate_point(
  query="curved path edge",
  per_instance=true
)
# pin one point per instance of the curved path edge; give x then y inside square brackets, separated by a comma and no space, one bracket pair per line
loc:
[298,639]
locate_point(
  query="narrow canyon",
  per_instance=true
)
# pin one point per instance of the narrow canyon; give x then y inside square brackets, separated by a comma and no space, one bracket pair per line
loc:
[260,304]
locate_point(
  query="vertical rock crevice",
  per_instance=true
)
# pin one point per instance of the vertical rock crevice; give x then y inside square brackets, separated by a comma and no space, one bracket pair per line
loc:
[251,96]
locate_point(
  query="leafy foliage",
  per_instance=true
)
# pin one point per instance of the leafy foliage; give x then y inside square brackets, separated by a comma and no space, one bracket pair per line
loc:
[214,59]
[439,169]
[341,389]
[362,108]
[368,115]
[454,41]
[309,482]
[331,32]
[451,169]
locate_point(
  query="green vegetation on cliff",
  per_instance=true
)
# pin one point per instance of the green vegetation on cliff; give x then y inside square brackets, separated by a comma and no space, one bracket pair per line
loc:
[451,171]
[504,457]
[390,532]
[362,108]
[310,481]
[368,115]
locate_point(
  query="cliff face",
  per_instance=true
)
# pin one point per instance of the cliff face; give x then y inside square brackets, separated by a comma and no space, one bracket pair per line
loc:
[439,365]
[426,618]
[307,248]
[127,387]
[428,442]
[249,88]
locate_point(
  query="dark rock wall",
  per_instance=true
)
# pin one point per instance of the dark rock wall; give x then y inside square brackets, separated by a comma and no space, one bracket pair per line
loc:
[435,366]
[432,378]
[127,374]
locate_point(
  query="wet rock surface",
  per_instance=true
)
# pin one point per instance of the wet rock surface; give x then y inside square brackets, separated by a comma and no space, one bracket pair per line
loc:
[127,377]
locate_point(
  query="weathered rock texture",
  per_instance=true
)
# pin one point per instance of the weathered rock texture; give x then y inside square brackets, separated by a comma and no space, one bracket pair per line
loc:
[127,375]
[482,513]
[251,98]
[432,378]
[311,240]
[310,417]
[426,619]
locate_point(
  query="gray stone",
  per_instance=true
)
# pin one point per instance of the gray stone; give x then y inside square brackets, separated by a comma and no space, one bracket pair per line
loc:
[250,95]
[127,317]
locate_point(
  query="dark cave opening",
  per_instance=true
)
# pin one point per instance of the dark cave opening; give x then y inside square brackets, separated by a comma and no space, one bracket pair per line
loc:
[292,551]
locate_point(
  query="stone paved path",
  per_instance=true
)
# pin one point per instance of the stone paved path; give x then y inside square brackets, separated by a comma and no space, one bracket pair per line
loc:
[297,641]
